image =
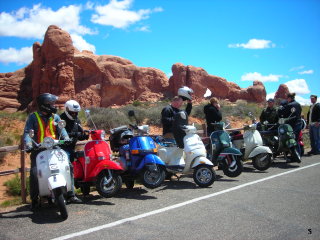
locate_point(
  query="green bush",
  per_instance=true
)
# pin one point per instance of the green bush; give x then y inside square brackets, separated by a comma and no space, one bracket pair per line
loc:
[14,186]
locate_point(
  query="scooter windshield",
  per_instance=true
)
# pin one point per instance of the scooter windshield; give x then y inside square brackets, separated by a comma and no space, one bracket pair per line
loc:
[220,138]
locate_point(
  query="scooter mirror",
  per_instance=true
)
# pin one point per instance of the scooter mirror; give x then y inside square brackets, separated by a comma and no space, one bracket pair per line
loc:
[131,113]
[62,124]
[31,133]
[87,113]
[292,110]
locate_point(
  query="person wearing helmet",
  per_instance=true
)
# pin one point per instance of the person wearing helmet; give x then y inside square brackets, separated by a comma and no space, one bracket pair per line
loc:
[168,112]
[75,132]
[43,122]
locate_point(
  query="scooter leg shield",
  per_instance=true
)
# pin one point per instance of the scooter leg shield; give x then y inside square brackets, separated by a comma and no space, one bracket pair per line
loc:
[258,150]
[56,181]
[201,160]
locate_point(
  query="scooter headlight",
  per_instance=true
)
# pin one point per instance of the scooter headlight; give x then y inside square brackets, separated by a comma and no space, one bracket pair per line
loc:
[48,142]
[103,134]
[282,131]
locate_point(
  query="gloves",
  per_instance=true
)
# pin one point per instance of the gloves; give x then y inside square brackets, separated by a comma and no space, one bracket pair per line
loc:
[28,147]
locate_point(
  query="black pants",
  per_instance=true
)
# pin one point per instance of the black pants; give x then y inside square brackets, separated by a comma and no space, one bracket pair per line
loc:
[33,183]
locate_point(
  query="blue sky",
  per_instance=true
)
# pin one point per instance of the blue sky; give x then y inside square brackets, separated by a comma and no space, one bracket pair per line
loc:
[274,41]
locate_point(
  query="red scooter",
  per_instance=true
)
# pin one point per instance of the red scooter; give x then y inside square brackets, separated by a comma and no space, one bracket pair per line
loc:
[94,167]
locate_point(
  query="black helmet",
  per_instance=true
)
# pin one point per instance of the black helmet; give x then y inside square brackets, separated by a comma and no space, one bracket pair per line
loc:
[46,103]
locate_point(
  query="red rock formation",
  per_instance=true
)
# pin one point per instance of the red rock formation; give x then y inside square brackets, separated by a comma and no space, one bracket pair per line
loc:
[282,92]
[59,68]
[199,80]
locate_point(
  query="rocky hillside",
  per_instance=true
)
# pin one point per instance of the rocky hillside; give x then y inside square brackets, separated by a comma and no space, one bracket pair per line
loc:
[59,68]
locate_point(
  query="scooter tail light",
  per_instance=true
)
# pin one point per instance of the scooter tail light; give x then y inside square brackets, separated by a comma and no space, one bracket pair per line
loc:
[135,151]
[155,150]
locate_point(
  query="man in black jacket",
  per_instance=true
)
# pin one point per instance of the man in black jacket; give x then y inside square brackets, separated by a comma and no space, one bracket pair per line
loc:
[212,113]
[168,112]
[295,122]
[75,132]
[313,121]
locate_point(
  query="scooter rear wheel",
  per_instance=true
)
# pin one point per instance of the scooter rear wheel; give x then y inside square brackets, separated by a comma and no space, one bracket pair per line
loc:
[262,161]
[204,175]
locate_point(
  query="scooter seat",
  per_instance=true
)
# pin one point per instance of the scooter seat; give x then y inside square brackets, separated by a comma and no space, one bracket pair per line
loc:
[78,154]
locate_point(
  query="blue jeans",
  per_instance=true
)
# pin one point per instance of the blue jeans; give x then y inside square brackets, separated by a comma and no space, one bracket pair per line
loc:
[315,138]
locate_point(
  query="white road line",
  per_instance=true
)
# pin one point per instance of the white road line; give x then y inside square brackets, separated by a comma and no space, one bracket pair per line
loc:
[112,224]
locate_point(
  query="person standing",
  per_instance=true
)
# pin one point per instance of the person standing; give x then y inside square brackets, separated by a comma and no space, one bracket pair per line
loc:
[212,113]
[44,124]
[313,123]
[295,116]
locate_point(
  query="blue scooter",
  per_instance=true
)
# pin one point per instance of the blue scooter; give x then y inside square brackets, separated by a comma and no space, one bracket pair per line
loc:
[137,155]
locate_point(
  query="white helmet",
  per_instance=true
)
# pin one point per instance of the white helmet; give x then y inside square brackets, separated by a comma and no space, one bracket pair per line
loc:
[72,108]
[185,93]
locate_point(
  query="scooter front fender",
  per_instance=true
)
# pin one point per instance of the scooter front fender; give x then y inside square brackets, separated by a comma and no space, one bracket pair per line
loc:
[201,160]
[56,181]
[106,164]
[150,159]
[258,150]
[231,150]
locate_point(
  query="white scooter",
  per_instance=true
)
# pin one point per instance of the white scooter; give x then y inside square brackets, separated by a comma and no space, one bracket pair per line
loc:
[190,159]
[251,145]
[53,171]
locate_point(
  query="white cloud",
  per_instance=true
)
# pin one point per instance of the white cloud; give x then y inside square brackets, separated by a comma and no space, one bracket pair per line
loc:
[254,44]
[306,72]
[32,23]
[20,56]
[303,101]
[143,29]
[81,44]
[270,95]
[296,68]
[299,86]
[119,15]
[258,76]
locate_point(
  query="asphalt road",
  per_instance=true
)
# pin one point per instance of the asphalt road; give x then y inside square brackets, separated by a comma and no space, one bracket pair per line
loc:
[280,203]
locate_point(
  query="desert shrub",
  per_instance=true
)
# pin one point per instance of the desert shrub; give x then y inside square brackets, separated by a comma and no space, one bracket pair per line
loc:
[239,109]
[16,115]
[14,186]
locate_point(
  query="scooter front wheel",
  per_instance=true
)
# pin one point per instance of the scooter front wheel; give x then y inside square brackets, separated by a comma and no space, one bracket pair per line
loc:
[234,170]
[61,202]
[153,178]
[262,161]
[107,186]
[204,175]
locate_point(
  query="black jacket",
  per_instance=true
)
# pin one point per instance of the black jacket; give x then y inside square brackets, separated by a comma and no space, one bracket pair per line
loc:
[167,116]
[74,130]
[270,115]
[212,115]
[315,115]
[296,116]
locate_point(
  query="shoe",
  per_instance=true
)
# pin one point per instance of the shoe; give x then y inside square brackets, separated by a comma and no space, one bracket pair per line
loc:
[34,205]
[310,152]
[74,199]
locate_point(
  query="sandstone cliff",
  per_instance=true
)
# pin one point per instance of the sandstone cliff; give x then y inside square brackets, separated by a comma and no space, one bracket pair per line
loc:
[59,68]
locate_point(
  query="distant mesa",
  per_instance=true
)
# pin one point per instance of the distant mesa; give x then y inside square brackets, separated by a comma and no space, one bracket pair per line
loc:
[102,81]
